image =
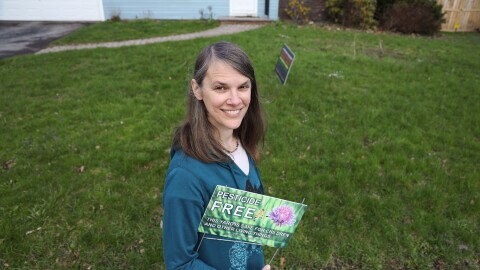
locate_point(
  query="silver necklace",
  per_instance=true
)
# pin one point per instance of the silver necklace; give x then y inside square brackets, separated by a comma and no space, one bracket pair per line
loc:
[236,148]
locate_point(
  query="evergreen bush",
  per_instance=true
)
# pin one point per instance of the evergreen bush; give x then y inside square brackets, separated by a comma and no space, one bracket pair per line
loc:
[352,13]
[423,17]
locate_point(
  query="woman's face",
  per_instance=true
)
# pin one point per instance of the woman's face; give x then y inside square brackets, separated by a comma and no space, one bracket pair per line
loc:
[226,94]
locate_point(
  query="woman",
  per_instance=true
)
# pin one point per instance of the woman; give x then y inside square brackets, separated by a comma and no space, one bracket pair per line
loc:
[216,145]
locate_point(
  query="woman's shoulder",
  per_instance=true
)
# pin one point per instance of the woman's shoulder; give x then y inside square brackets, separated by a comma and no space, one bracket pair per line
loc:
[188,175]
[180,159]
[193,169]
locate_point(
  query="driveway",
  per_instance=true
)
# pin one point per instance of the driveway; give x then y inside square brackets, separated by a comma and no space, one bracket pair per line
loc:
[29,37]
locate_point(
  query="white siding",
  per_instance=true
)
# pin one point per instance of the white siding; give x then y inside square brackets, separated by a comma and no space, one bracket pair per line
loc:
[164,9]
[273,10]
[177,9]
[51,10]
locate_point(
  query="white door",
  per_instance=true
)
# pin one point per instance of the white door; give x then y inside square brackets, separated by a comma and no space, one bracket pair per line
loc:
[51,10]
[244,8]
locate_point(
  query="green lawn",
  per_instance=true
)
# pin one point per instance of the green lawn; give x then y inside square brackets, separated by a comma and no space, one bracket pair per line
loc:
[133,29]
[382,141]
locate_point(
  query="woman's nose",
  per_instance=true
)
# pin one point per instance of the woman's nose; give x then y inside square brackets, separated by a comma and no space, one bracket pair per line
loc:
[234,98]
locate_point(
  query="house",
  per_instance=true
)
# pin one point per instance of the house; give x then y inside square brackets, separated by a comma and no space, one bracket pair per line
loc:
[51,10]
[190,9]
[100,10]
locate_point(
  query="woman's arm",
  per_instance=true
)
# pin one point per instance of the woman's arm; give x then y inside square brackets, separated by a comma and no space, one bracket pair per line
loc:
[182,211]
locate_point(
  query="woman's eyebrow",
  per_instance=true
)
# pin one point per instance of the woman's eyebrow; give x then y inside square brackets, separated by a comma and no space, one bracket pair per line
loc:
[219,82]
[245,83]
[226,84]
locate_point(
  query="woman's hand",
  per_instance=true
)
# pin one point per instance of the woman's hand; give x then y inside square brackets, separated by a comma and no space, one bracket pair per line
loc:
[266,267]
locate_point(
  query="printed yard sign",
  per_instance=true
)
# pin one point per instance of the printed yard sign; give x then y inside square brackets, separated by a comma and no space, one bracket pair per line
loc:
[251,217]
[284,63]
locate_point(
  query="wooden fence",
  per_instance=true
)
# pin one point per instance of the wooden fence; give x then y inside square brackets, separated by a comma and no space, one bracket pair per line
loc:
[461,15]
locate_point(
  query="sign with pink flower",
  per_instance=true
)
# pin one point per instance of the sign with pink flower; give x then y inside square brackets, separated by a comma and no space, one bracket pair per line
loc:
[250,217]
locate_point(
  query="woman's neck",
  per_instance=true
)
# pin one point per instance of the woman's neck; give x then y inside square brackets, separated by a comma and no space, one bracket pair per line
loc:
[228,140]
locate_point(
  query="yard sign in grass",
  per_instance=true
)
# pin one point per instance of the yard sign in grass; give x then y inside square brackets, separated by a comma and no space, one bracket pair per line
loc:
[251,217]
[284,63]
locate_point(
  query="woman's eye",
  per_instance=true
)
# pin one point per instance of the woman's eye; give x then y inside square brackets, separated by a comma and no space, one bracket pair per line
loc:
[245,87]
[219,88]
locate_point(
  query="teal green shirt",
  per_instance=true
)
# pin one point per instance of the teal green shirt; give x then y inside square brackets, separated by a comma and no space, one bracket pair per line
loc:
[188,187]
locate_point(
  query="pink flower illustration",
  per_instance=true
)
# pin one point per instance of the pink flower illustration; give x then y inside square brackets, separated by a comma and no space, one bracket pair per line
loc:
[282,215]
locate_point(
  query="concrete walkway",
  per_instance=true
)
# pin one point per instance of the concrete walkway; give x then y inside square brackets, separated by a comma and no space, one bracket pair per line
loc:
[221,30]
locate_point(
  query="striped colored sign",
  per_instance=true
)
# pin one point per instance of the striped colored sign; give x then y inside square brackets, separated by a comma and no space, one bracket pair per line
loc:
[284,63]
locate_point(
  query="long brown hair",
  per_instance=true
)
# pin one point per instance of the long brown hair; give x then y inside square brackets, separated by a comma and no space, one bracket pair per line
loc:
[197,136]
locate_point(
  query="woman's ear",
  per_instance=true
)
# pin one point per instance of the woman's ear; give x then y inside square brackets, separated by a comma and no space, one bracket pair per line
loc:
[196,90]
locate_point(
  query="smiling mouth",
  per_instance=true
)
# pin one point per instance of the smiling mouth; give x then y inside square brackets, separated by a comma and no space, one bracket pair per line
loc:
[232,112]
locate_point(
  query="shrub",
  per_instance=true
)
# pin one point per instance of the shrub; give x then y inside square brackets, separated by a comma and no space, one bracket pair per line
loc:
[419,17]
[115,15]
[352,13]
[205,16]
[298,11]
[382,6]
